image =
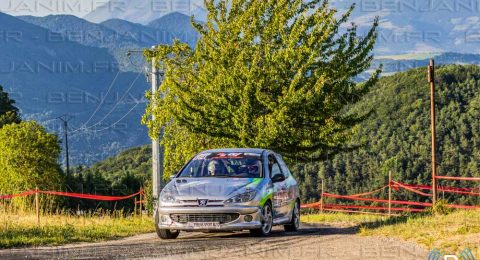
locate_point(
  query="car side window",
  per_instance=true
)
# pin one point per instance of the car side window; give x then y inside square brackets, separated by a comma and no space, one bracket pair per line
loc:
[273,166]
[283,166]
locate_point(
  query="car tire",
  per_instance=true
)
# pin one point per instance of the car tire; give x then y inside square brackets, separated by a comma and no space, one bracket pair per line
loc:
[294,224]
[165,233]
[267,222]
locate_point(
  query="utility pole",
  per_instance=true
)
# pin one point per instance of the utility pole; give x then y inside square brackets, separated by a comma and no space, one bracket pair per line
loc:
[65,119]
[157,150]
[431,80]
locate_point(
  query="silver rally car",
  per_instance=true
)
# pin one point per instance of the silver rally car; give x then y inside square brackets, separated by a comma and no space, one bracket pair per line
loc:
[229,190]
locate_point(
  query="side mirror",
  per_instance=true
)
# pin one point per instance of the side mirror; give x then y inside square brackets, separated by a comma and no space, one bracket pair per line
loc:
[278,178]
[172,176]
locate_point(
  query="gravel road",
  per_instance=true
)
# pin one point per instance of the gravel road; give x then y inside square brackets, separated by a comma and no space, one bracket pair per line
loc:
[312,242]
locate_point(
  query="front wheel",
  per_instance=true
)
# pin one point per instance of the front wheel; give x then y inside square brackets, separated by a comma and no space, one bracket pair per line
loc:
[294,224]
[165,233]
[267,223]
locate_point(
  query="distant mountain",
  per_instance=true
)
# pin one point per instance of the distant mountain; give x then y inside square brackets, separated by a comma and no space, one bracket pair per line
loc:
[72,28]
[79,30]
[118,36]
[400,63]
[50,76]
[141,34]
[161,31]
[145,11]
[179,25]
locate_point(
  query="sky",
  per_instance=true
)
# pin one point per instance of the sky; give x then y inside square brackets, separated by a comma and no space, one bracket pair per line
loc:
[79,8]
[46,7]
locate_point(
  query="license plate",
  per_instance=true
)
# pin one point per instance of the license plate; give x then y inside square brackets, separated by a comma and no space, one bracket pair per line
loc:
[204,225]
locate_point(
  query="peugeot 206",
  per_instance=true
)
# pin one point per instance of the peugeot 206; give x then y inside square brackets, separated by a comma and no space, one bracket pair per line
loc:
[229,190]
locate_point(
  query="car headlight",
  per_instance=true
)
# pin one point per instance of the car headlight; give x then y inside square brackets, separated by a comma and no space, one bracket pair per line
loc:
[242,197]
[169,195]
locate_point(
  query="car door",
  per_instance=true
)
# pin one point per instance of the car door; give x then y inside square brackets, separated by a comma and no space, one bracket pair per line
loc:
[290,182]
[280,191]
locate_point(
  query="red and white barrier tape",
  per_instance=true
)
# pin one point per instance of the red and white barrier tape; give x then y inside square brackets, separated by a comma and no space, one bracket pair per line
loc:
[465,191]
[399,202]
[411,189]
[457,178]
[72,195]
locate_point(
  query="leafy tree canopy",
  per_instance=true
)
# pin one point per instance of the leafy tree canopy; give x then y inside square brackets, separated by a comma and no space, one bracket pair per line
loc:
[28,158]
[276,74]
[8,112]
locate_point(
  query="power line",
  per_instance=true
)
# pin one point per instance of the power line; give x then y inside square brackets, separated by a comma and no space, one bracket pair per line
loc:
[102,100]
[112,125]
[94,131]
[85,127]
[119,101]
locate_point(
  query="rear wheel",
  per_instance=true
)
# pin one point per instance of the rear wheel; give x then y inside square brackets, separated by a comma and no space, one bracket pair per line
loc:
[294,224]
[165,233]
[267,223]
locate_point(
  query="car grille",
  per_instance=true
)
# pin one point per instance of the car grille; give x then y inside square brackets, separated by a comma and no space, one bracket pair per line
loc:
[210,203]
[210,217]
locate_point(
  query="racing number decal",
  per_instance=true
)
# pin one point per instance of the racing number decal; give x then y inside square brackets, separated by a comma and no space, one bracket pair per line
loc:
[281,196]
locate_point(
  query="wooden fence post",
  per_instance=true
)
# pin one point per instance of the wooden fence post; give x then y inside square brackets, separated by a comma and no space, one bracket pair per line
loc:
[321,198]
[390,193]
[135,207]
[141,202]
[37,205]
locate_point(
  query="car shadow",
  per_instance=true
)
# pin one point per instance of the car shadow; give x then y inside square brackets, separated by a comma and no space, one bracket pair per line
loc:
[304,231]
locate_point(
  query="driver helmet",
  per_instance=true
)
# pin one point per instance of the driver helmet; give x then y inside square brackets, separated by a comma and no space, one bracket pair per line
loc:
[213,168]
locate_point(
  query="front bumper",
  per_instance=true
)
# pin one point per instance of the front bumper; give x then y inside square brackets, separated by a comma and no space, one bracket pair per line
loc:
[164,220]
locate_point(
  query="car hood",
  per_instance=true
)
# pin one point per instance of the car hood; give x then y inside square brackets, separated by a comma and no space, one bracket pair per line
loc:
[212,188]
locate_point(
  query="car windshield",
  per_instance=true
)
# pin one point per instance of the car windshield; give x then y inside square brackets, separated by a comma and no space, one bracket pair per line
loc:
[224,165]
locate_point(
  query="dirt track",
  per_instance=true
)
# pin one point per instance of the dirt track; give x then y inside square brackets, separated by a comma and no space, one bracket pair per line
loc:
[312,242]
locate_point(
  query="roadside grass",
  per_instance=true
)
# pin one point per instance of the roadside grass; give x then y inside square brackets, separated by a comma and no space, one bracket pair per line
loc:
[21,230]
[450,233]
[342,219]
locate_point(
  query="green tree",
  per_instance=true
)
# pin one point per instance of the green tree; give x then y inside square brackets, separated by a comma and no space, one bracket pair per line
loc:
[8,112]
[277,74]
[28,158]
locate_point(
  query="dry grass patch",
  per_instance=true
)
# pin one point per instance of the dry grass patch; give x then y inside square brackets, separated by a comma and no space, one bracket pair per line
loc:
[450,233]
[342,219]
[21,230]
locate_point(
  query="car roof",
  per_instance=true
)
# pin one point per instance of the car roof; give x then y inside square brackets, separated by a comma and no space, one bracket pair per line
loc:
[237,150]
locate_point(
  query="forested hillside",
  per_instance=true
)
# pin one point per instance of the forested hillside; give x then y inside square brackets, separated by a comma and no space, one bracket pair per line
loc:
[397,136]
[122,174]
